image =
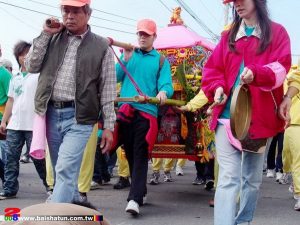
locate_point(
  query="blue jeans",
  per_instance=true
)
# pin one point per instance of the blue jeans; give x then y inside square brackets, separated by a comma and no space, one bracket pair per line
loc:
[15,141]
[3,149]
[66,140]
[111,163]
[100,167]
[240,176]
[2,171]
[277,141]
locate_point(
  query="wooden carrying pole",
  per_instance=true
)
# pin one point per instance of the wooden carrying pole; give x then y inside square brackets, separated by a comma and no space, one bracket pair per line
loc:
[123,45]
[53,23]
[151,100]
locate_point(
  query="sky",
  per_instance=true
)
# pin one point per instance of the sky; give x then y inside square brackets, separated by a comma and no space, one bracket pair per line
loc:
[118,18]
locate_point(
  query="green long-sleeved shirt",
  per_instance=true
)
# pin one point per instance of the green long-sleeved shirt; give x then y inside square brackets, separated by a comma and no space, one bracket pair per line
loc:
[5,77]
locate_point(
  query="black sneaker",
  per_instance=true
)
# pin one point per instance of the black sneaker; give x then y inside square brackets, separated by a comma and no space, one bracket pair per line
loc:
[122,183]
[82,197]
[211,203]
[4,196]
[209,185]
[49,190]
[105,177]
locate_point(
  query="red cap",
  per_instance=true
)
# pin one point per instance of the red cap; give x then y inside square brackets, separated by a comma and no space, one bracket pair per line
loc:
[146,25]
[227,1]
[75,3]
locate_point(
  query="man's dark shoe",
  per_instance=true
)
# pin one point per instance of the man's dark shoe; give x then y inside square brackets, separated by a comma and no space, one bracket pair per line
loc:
[83,197]
[49,190]
[209,185]
[106,178]
[4,196]
[122,183]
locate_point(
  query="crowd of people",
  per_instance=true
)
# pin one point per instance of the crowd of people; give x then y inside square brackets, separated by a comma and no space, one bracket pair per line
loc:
[68,77]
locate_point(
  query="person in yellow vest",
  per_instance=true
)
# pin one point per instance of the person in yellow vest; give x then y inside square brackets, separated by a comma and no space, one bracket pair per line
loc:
[290,111]
[86,169]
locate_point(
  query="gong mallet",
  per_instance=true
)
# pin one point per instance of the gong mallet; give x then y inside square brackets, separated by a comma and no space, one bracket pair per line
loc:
[210,108]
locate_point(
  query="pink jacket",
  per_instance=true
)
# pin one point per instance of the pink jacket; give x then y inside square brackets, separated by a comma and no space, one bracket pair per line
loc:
[269,68]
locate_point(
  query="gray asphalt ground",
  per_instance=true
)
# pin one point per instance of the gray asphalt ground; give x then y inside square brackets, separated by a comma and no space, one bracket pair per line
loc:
[176,203]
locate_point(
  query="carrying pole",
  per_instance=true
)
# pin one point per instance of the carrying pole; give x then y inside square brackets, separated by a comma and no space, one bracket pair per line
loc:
[151,100]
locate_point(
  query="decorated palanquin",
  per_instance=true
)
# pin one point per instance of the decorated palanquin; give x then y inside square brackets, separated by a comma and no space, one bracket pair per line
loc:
[184,135]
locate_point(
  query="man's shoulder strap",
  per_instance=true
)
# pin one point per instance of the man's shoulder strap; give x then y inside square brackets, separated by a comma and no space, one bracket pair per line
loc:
[161,61]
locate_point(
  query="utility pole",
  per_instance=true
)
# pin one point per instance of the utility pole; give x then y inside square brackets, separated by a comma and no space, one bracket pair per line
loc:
[226,14]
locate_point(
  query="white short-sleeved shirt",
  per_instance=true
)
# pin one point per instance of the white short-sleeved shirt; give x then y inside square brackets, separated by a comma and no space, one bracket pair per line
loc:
[22,89]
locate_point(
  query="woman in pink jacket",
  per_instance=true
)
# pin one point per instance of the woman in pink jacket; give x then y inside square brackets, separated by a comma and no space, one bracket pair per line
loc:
[255,51]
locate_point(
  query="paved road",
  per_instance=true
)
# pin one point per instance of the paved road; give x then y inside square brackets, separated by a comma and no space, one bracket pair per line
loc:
[177,203]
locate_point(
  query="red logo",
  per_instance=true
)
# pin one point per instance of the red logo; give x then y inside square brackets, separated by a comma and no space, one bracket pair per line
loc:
[12,214]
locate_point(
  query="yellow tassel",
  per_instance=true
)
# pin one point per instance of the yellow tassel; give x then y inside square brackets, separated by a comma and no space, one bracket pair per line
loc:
[123,154]
[184,130]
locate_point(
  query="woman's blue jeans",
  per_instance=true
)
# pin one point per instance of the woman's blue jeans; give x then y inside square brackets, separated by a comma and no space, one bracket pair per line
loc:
[240,176]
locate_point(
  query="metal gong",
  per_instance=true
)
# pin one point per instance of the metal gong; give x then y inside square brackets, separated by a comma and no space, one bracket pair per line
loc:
[240,111]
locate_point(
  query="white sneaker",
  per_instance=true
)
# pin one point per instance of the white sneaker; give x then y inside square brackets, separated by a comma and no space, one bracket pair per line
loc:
[279,176]
[48,200]
[286,178]
[133,208]
[270,173]
[144,200]
[291,188]
[179,171]
[168,177]
[297,205]
[95,185]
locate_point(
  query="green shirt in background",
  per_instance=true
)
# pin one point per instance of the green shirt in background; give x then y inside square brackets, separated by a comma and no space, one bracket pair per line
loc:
[5,77]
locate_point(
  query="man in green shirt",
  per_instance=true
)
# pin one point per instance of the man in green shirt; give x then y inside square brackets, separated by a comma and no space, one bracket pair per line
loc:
[5,77]
[139,121]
